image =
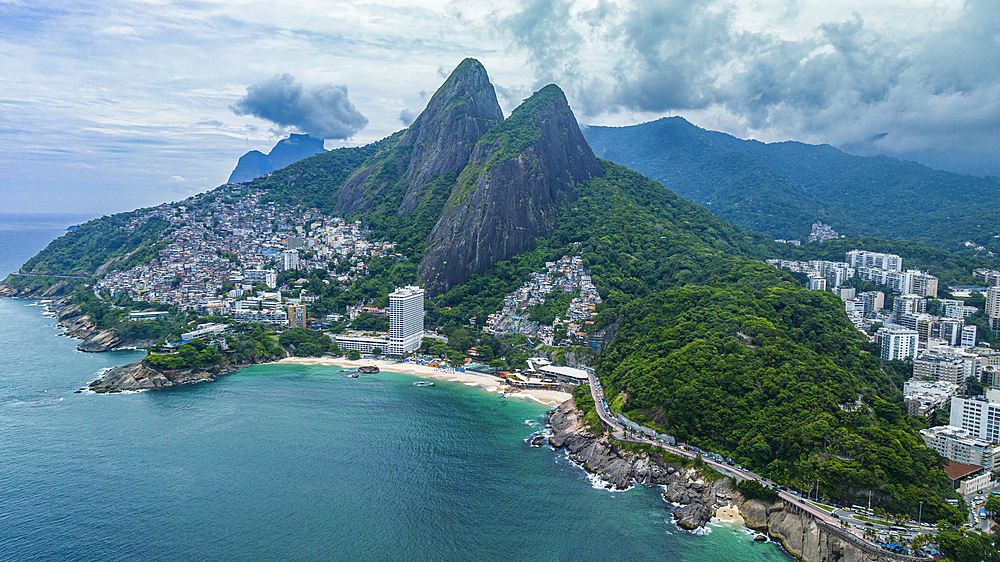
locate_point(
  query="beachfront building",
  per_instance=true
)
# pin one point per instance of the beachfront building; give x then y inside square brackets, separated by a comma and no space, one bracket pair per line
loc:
[296,315]
[406,318]
[406,326]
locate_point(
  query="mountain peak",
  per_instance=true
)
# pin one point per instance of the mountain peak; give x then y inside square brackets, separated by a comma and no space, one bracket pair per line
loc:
[255,163]
[520,172]
[459,113]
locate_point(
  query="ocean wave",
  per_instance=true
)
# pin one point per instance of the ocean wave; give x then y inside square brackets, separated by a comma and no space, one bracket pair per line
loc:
[700,531]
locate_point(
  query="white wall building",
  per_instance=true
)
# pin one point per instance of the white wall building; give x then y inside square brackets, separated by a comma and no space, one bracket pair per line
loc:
[406,326]
[289,259]
[960,445]
[897,342]
[862,258]
[980,416]
[406,317]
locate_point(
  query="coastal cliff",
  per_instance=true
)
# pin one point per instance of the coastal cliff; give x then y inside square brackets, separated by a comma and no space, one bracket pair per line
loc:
[702,493]
[139,376]
[79,325]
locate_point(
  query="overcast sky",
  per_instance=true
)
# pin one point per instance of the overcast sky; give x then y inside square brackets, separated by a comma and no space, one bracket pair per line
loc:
[108,106]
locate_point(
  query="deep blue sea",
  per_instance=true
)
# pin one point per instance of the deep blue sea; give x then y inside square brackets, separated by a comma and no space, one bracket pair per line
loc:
[283,462]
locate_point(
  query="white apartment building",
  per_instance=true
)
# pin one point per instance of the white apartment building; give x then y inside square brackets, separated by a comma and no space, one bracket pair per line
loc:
[980,416]
[406,326]
[267,277]
[897,342]
[862,258]
[406,317]
[993,308]
[953,368]
[960,445]
[289,259]
[969,336]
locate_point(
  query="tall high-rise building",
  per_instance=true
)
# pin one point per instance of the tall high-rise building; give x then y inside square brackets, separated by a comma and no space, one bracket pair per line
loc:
[406,318]
[289,259]
[296,315]
[897,342]
[993,308]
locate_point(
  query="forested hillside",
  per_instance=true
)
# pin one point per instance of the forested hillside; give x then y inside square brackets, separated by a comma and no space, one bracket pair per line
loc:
[752,367]
[780,189]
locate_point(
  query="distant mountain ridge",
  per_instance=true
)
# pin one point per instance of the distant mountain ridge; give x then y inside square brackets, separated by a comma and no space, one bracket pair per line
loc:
[255,163]
[781,188]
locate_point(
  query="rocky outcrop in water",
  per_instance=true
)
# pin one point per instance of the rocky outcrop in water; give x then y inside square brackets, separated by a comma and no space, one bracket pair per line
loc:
[621,469]
[79,325]
[804,537]
[800,533]
[137,376]
[507,196]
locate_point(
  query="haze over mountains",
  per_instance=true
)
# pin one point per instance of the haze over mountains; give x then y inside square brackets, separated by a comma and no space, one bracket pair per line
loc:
[780,189]
[255,163]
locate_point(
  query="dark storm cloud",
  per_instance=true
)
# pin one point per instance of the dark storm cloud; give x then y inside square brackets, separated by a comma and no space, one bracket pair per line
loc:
[924,94]
[323,111]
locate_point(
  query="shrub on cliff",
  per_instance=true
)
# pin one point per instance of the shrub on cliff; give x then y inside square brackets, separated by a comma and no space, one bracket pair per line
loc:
[753,490]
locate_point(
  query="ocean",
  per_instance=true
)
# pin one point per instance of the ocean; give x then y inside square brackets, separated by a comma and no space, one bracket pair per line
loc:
[297,462]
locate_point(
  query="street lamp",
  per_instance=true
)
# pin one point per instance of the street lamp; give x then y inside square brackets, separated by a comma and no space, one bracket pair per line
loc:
[920,514]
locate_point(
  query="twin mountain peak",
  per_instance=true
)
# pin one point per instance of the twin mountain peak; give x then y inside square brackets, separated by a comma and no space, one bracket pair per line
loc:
[482,188]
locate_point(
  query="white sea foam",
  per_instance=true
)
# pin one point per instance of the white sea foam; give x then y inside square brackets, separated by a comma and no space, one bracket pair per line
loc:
[491,388]
[700,531]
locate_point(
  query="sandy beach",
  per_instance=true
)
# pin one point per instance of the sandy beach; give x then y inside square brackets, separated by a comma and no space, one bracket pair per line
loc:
[488,382]
[729,513]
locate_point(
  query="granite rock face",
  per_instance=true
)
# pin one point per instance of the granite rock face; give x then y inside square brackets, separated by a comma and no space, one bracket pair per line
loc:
[802,536]
[463,109]
[137,376]
[622,468]
[512,199]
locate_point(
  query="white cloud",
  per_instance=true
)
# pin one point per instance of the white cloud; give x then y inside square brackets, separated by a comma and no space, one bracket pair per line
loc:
[137,92]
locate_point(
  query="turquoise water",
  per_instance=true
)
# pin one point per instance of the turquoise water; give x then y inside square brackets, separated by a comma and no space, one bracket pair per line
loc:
[291,462]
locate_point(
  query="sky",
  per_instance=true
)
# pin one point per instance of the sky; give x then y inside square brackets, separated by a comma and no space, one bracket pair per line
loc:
[108,106]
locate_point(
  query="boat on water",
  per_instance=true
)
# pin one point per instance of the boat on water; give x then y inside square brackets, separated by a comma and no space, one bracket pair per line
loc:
[423,383]
[368,369]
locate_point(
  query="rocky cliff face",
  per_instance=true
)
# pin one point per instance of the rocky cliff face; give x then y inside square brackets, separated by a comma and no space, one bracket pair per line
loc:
[463,109]
[80,326]
[798,532]
[139,376]
[506,197]
[802,536]
[620,469]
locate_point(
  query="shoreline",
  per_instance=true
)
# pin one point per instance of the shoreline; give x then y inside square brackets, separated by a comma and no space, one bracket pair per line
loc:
[487,382]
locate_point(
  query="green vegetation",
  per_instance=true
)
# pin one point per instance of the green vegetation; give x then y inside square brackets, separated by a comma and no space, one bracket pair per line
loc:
[961,546]
[83,250]
[556,303]
[584,400]
[751,489]
[249,342]
[303,342]
[754,368]
[782,188]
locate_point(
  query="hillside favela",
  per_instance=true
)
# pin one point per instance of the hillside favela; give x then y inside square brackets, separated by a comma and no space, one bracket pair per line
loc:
[519,281]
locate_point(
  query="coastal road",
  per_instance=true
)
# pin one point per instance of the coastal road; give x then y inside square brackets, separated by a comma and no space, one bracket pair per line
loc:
[618,432]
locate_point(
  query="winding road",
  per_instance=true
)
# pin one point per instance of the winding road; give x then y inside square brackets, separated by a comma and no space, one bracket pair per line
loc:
[833,523]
